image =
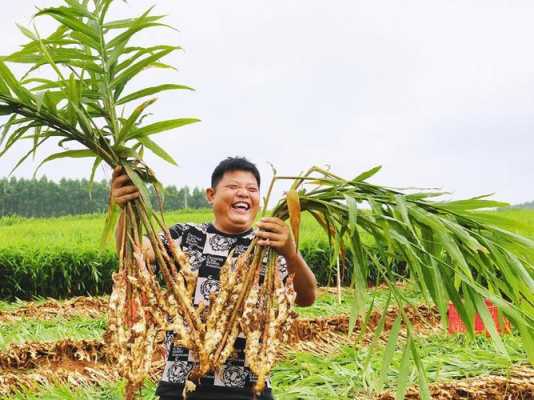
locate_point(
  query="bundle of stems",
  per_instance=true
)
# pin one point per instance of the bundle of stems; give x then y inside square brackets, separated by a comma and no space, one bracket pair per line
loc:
[267,320]
[455,251]
[73,94]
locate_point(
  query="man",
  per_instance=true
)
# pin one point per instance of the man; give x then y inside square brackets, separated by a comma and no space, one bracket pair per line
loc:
[235,197]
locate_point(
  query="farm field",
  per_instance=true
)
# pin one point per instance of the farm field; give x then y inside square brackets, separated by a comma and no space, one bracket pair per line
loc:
[322,369]
[60,343]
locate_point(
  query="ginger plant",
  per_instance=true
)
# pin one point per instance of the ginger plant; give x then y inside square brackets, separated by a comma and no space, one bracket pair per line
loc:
[73,94]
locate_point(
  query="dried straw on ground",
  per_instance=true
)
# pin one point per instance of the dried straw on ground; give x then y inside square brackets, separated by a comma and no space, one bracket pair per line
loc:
[91,361]
[93,307]
[517,385]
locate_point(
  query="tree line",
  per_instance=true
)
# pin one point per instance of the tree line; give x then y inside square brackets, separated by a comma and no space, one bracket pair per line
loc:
[46,198]
[528,204]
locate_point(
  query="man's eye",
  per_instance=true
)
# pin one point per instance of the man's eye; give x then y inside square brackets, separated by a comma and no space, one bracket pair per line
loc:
[252,189]
[232,187]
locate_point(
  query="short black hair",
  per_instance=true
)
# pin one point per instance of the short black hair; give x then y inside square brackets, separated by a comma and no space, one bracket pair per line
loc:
[233,164]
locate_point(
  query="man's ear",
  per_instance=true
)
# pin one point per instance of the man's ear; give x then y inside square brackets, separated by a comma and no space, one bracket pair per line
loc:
[210,193]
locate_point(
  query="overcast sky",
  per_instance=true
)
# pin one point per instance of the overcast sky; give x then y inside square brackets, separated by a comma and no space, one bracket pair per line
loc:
[440,93]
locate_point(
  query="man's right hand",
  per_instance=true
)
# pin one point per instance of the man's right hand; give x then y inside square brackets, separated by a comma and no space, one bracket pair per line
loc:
[122,189]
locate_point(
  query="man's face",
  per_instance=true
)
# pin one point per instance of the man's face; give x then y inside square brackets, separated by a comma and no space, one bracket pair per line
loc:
[235,201]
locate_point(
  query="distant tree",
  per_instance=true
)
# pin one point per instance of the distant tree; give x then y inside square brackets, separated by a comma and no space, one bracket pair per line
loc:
[198,199]
[46,198]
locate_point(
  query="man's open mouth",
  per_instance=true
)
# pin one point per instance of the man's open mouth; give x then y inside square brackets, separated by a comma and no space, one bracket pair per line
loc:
[241,206]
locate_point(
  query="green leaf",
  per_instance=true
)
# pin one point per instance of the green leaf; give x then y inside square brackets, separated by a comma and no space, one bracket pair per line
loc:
[161,126]
[131,121]
[138,182]
[359,275]
[150,91]
[80,9]
[471,204]
[367,174]
[26,32]
[157,150]
[139,52]
[9,79]
[84,153]
[527,337]
[424,392]
[112,216]
[129,73]
[489,324]
[7,125]
[389,351]
[85,40]
[96,163]
[129,22]
[68,17]
[404,372]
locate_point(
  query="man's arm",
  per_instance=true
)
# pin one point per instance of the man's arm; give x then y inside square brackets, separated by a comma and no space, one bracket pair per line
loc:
[123,191]
[275,233]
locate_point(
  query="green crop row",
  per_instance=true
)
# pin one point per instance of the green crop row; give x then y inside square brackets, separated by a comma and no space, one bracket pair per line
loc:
[61,257]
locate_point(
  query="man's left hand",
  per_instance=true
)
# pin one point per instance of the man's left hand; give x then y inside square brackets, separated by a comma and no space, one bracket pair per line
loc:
[275,233]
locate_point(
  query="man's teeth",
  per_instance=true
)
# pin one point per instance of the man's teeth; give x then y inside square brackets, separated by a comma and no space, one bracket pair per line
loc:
[242,206]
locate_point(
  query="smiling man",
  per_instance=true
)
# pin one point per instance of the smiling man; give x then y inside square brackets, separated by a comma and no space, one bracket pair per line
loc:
[235,198]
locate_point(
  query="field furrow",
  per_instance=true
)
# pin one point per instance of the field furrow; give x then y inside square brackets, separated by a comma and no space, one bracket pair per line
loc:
[518,384]
[90,362]
[52,308]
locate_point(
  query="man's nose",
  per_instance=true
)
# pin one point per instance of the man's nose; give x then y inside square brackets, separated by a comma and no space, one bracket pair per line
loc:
[242,192]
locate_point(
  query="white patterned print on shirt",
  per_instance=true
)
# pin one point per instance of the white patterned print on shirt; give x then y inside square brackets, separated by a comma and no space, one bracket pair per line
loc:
[195,259]
[231,376]
[218,244]
[177,371]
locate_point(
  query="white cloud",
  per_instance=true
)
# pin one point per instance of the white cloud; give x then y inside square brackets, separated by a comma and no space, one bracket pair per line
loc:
[440,93]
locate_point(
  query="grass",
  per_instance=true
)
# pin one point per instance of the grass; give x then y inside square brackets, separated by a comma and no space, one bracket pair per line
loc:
[103,392]
[524,216]
[61,257]
[327,303]
[84,328]
[304,376]
[32,330]
[83,231]
[343,376]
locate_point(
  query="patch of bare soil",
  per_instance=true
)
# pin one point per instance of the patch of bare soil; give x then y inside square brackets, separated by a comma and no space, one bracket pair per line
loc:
[88,306]
[518,385]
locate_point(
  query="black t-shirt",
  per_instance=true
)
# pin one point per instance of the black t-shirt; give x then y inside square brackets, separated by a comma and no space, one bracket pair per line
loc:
[207,249]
